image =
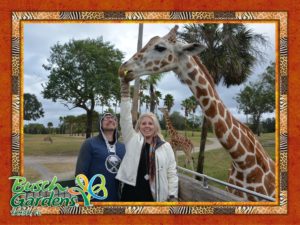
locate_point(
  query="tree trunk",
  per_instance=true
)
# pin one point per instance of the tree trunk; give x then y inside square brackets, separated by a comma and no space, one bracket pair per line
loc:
[89,123]
[140,108]
[258,126]
[256,122]
[152,98]
[136,95]
[204,130]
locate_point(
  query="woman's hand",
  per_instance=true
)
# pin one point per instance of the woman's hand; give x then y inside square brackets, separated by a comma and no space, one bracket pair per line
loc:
[125,91]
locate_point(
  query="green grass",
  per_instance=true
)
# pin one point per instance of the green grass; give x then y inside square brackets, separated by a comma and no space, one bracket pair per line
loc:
[189,134]
[60,167]
[217,162]
[63,145]
[268,142]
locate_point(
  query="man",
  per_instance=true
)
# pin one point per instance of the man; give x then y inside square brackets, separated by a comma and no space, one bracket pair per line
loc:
[102,154]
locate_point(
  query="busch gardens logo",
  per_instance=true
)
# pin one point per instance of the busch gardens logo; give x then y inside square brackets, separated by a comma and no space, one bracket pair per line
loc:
[87,189]
[21,186]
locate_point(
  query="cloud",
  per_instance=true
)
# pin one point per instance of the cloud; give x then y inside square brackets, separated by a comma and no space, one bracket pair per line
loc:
[40,37]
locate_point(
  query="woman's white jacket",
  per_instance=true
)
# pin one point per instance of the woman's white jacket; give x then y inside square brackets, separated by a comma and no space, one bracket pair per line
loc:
[166,174]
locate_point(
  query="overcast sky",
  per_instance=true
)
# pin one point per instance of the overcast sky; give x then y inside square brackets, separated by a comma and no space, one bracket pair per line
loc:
[39,37]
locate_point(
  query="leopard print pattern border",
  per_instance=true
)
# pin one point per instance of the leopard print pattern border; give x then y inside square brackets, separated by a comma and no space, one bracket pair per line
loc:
[92,15]
[92,210]
[15,28]
[202,210]
[281,16]
[48,210]
[155,210]
[283,122]
[283,161]
[15,162]
[202,15]
[47,15]
[16,66]
[156,15]
[283,66]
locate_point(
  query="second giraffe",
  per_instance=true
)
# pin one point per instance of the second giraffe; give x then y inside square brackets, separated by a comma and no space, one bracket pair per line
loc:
[179,142]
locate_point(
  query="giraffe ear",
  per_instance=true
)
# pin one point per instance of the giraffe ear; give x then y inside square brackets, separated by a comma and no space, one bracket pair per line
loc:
[193,49]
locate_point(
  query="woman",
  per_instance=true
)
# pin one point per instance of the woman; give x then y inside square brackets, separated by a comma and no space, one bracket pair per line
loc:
[148,169]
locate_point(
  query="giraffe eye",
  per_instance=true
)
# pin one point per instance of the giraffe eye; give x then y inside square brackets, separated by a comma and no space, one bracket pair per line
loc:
[159,48]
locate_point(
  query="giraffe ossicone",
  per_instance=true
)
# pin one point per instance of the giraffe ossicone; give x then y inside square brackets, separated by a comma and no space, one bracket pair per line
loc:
[251,167]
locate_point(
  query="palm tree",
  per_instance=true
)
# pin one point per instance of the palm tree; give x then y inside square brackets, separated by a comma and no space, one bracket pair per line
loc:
[230,55]
[49,125]
[231,50]
[149,84]
[70,121]
[143,98]
[157,97]
[61,125]
[152,82]
[146,99]
[169,101]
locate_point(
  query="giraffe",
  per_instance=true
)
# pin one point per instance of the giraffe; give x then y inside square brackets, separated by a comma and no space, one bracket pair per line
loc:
[251,167]
[178,141]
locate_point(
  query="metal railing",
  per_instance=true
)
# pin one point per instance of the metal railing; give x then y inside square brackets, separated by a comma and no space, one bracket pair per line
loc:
[206,178]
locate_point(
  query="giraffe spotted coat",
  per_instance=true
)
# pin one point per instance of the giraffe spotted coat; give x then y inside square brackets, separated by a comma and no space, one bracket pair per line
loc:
[252,167]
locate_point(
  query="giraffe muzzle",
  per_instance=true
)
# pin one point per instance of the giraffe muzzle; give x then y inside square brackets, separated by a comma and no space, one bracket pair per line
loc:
[127,75]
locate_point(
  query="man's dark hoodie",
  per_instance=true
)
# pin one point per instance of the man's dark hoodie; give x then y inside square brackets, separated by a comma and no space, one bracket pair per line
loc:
[98,156]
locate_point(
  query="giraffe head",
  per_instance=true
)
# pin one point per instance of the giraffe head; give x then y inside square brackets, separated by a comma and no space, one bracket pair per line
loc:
[160,54]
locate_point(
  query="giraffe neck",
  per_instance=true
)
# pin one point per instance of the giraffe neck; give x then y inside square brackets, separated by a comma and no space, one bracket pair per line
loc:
[251,166]
[233,135]
[170,128]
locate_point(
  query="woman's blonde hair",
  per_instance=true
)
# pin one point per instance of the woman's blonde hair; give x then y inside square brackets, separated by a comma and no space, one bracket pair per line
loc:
[155,122]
